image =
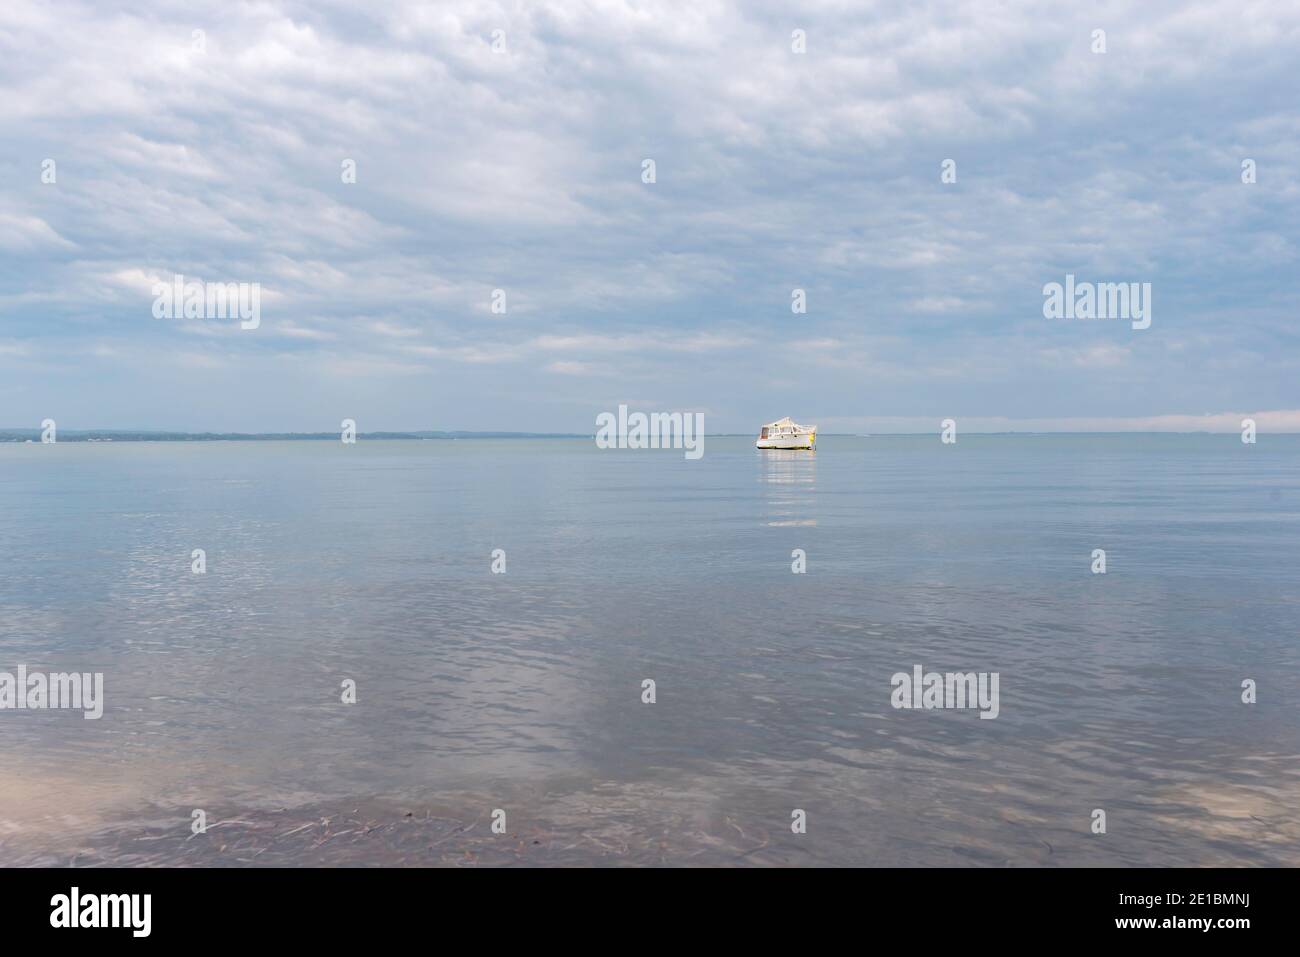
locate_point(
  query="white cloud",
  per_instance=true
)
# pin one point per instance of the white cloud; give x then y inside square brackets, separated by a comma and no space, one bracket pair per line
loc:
[21,233]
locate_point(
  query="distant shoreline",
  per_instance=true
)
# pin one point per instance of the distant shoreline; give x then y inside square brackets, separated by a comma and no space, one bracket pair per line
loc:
[130,435]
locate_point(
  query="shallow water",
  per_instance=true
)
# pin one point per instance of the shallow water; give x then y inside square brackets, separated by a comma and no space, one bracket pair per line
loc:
[522,691]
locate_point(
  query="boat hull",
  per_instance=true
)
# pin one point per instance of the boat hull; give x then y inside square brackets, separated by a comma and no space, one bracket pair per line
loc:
[800,440]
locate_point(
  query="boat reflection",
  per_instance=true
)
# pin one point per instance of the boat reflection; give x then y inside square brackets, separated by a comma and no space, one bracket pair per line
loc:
[789,480]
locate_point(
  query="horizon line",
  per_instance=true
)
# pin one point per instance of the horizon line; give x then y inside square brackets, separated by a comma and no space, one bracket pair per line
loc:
[145,435]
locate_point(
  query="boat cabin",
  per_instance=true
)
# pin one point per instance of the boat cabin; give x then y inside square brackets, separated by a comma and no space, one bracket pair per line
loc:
[785,426]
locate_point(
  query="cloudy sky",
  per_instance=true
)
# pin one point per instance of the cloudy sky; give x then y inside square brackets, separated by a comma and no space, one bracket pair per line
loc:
[219,156]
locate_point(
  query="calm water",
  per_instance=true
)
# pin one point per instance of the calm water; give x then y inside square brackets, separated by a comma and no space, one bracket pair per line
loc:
[522,691]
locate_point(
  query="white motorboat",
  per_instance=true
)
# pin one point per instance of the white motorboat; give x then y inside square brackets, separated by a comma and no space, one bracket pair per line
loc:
[787,434]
